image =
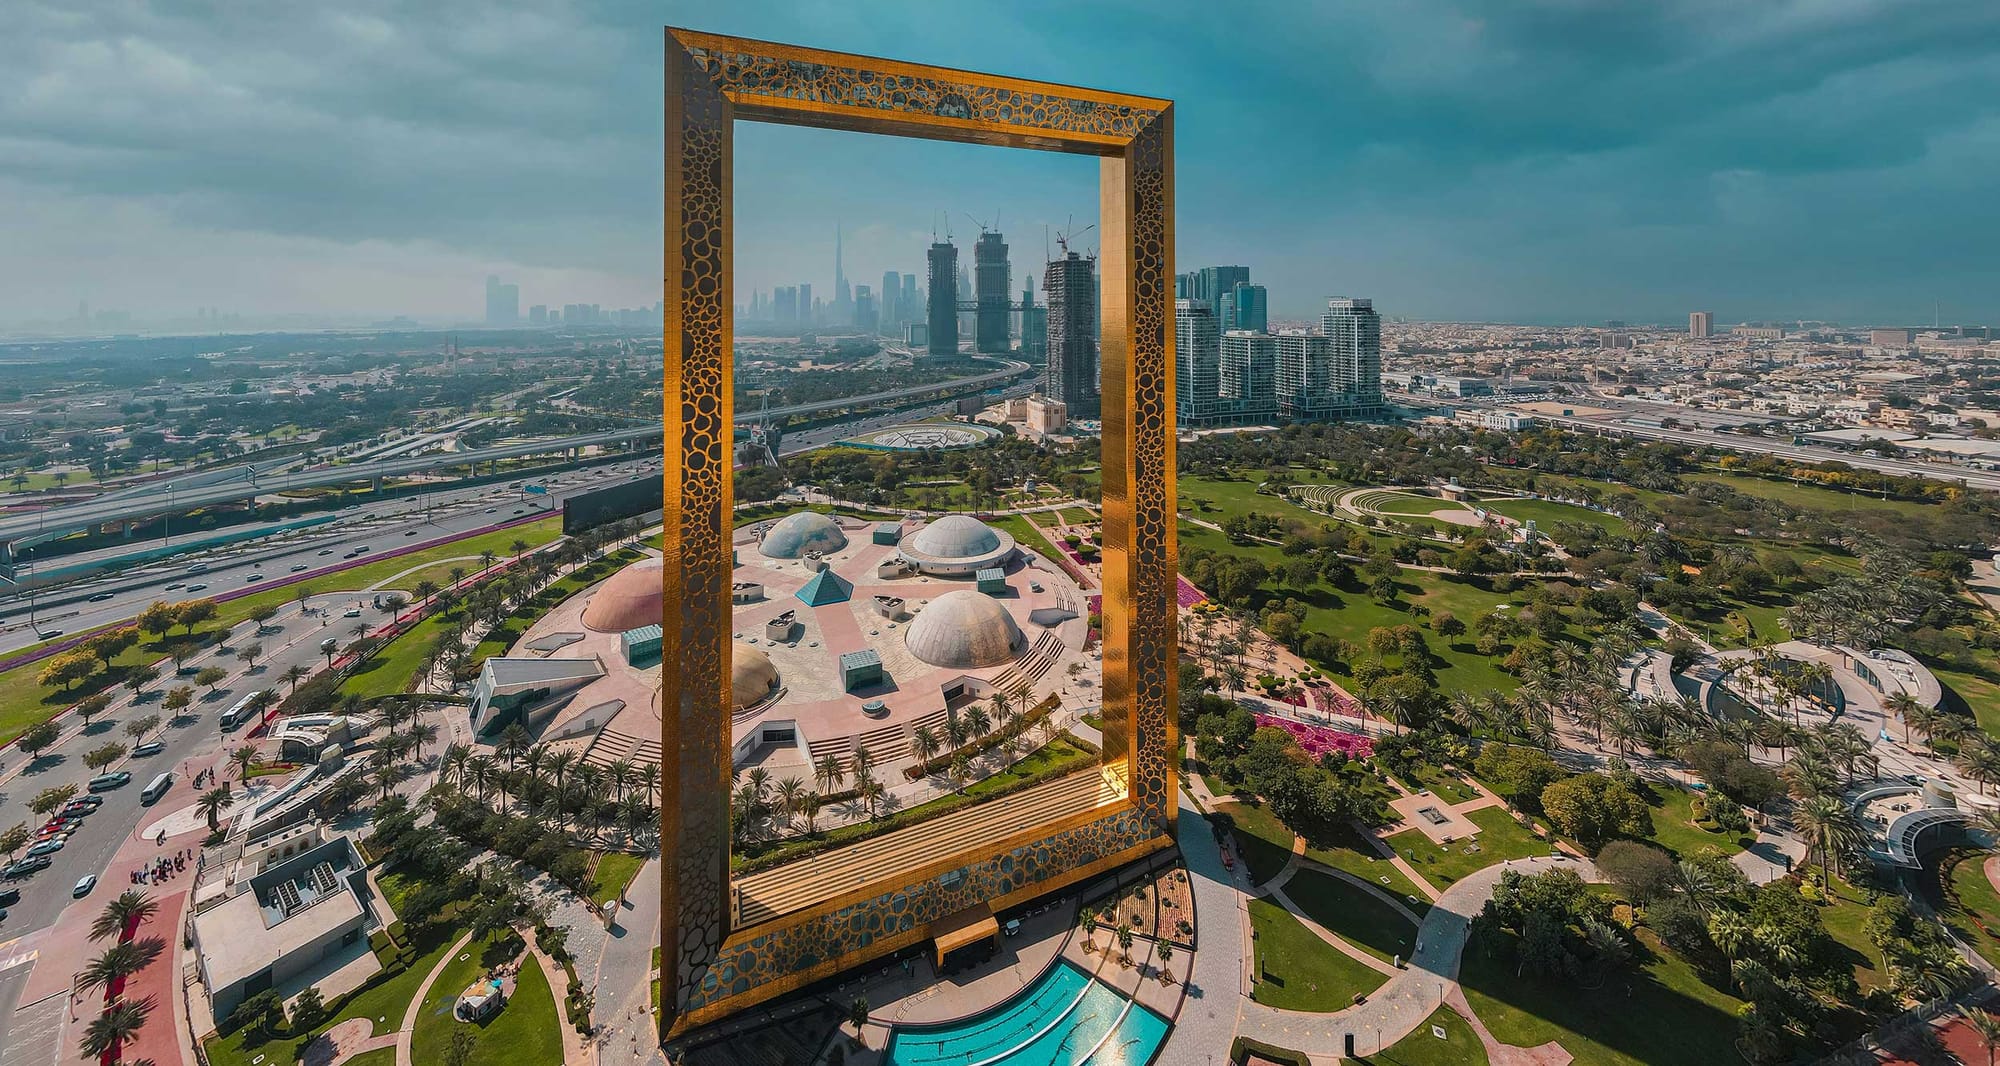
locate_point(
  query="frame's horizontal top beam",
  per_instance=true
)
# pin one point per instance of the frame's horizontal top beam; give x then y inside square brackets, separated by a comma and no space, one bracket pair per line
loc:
[804,86]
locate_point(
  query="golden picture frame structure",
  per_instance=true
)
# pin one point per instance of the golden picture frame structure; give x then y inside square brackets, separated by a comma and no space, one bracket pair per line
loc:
[708,968]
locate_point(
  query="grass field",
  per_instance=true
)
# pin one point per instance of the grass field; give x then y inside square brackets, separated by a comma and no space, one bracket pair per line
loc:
[1358,857]
[1674,828]
[1263,841]
[1966,868]
[1460,1046]
[615,871]
[1500,838]
[1546,513]
[1453,789]
[1846,921]
[24,701]
[1296,970]
[1657,1013]
[382,1005]
[1355,914]
[1026,534]
[1813,497]
[525,1031]
[1979,694]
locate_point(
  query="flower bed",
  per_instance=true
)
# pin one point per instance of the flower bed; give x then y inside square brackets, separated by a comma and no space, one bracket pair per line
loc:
[1317,740]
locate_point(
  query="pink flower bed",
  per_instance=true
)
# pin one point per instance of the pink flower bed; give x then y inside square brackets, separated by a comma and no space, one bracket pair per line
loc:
[1187,594]
[1317,740]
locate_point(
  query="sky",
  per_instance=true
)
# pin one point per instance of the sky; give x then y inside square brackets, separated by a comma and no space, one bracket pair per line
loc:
[1511,160]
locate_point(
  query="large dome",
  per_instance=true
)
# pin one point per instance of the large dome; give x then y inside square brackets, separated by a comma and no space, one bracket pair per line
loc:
[964,630]
[956,536]
[751,676]
[630,599]
[792,536]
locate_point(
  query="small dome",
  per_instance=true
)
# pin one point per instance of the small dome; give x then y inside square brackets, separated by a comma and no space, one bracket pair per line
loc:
[751,676]
[956,536]
[964,630]
[792,536]
[633,597]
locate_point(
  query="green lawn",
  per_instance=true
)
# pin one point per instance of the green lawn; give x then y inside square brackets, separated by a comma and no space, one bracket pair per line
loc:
[1979,694]
[1500,838]
[381,1056]
[526,1031]
[1547,513]
[1263,841]
[615,871]
[1674,828]
[1357,915]
[1976,899]
[1296,970]
[1656,1012]
[382,1004]
[1846,921]
[24,701]
[1359,857]
[1453,789]
[1813,497]
[1460,1046]
[1026,534]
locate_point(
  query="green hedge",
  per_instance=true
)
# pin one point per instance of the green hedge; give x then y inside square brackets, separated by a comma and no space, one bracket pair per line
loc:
[1243,1047]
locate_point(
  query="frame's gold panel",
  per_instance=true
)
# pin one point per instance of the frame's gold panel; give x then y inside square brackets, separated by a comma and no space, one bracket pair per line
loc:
[710,82]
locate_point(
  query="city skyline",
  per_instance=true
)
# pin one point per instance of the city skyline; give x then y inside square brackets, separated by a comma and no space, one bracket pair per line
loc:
[1459,163]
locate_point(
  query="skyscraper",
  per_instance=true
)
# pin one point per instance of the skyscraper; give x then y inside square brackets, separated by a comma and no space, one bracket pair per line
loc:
[991,280]
[1211,284]
[1069,285]
[1034,325]
[1196,363]
[785,306]
[943,282]
[864,310]
[1701,324]
[843,299]
[1247,308]
[1247,377]
[909,307]
[808,309]
[1355,331]
[891,311]
[503,302]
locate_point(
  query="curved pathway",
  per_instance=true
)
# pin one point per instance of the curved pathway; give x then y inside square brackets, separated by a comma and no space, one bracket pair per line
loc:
[1399,1007]
[406,1036]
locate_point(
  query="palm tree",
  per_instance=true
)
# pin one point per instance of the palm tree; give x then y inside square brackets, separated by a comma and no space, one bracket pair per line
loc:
[1900,705]
[829,773]
[119,961]
[924,741]
[243,757]
[422,733]
[1831,829]
[790,792]
[649,779]
[293,675]
[213,803]
[1986,1027]
[481,769]
[125,911]
[119,1023]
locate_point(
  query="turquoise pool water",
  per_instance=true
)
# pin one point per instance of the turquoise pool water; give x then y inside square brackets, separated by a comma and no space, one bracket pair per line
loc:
[1063,1019]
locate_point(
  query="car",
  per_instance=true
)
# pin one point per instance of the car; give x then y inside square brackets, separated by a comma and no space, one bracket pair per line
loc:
[93,802]
[78,810]
[411,532]
[3,914]
[101,597]
[363,550]
[253,577]
[149,748]
[9,896]
[107,782]
[176,585]
[351,612]
[46,847]
[61,823]
[326,551]
[47,633]
[491,510]
[24,867]
[196,588]
[83,886]
[517,510]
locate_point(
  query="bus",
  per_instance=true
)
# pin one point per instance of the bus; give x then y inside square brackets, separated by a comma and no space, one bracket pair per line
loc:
[240,713]
[158,788]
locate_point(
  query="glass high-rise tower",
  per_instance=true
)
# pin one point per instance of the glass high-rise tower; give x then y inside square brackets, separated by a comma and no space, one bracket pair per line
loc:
[992,277]
[1069,285]
[1196,363]
[943,263]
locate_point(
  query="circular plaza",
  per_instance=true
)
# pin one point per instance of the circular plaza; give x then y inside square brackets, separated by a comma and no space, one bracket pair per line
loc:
[924,436]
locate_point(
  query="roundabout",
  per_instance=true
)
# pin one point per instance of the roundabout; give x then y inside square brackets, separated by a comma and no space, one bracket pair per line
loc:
[924,436]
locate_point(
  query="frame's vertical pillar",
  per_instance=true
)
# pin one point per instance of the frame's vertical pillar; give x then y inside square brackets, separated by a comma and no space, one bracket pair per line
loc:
[697,503]
[1136,208]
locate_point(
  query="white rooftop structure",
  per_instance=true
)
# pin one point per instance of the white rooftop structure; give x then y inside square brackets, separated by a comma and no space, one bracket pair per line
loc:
[964,629]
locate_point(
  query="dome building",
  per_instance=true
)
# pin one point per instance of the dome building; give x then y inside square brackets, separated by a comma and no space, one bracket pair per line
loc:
[964,630]
[629,599]
[751,676]
[792,536]
[958,545]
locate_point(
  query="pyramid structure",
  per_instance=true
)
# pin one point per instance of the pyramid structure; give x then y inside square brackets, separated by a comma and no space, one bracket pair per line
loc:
[826,587]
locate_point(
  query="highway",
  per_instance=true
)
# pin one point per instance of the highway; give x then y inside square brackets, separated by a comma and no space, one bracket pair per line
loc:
[1013,369]
[74,608]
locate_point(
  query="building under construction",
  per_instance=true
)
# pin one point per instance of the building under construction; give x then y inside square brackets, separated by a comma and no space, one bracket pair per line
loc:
[943,310]
[991,279]
[1069,286]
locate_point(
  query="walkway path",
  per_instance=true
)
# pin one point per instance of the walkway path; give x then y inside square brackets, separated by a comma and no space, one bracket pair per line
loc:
[406,1034]
[1397,1008]
[1215,989]
[623,984]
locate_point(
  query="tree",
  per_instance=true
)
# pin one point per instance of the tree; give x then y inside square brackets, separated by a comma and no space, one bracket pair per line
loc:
[49,799]
[307,1010]
[91,706]
[857,1016]
[101,757]
[179,698]
[210,676]
[1592,809]
[139,678]
[1643,871]
[191,613]
[125,911]
[157,618]
[1831,829]
[1518,774]
[459,1051]
[119,1023]
[120,961]
[250,653]
[213,803]
[14,839]
[293,675]
[65,670]
[1445,624]
[243,757]
[139,727]
[37,738]
[262,616]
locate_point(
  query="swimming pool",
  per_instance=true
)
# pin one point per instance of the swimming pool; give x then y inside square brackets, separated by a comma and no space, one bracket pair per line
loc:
[1066,1018]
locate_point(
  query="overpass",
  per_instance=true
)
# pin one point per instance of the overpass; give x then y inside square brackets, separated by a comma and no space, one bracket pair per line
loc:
[234,484]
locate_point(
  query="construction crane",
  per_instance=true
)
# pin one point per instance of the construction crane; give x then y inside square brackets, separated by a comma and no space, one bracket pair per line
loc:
[1062,236]
[983,227]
